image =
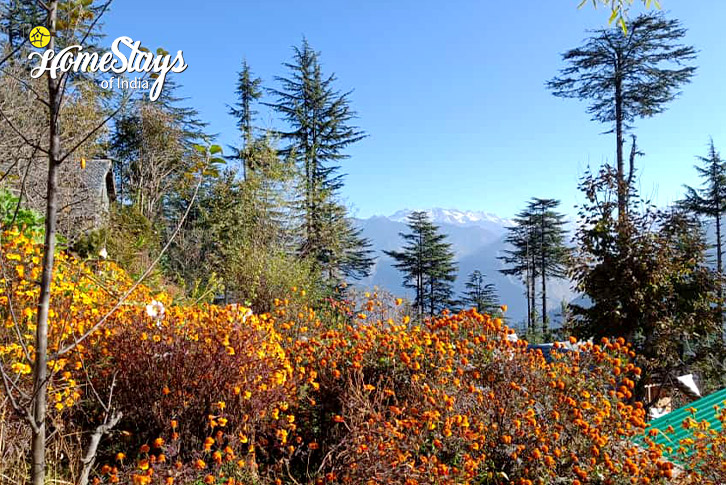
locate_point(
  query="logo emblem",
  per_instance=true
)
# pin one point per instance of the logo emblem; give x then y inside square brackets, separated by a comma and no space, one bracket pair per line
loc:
[39,37]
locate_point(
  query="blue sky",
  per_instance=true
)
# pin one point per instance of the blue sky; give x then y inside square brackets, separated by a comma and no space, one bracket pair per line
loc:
[451,94]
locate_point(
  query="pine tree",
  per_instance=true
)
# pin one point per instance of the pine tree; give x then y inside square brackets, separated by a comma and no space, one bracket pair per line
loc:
[319,117]
[441,273]
[249,92]
[538,252]
[552,253]
[480,294]
[521,260]
[427,263]
[627,74]
[710,201]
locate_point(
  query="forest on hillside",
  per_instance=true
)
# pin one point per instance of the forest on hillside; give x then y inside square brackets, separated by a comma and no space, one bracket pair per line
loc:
[177,311]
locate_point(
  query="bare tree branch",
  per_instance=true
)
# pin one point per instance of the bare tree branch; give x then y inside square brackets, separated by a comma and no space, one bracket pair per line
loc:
[21,135]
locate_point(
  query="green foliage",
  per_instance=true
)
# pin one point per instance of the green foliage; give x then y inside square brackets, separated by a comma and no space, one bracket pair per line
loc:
[248,92]
[153,146]
[131,239]
[647,280]
[236,245]
[481,295]
[626,76]
[710,199]
[537,250]
[12,214]
[428,265]
[319,118]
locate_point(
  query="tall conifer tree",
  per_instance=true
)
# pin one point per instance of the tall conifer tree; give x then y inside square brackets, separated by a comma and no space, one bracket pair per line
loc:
[427,263]
[319,118]
[710,201]
[249,92]
[627,74]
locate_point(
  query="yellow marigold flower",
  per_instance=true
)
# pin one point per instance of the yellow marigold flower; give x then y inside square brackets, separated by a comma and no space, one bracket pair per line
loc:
[20,368]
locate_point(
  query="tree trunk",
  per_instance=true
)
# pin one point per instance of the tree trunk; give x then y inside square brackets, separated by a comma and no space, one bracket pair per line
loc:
[420,279]
[719,270]
[622,187]
[40,371]
[544,300]
[533,267]
[529,306]
[544,273]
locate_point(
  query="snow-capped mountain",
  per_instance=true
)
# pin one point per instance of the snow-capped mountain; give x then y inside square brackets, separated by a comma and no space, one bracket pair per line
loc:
[477,238]
[453,216]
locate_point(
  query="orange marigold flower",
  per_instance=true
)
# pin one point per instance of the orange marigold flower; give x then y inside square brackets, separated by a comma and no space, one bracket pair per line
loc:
[141,480]
[158,442]
[144,448]
[200,465]
[120,456]
[209,479]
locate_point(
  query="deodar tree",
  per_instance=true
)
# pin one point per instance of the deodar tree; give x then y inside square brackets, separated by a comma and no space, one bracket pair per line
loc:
[625,76]
[537,251]
[319,118]
[710,201]
[427,263]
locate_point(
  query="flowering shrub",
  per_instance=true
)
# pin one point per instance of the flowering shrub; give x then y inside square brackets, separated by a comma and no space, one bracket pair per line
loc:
[345,393]
[457,401]
[204,368]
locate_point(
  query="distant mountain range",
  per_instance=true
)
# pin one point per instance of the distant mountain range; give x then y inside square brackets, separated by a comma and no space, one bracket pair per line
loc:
[477,239]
